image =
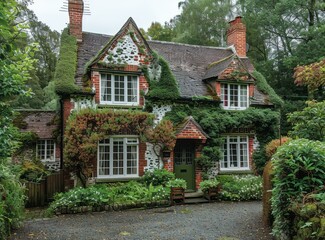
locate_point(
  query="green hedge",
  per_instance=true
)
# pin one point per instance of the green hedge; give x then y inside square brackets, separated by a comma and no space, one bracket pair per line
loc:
[65,71]
[299,168]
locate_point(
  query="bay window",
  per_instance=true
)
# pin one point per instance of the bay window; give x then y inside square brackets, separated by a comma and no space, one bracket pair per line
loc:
[119,89]
[118,157]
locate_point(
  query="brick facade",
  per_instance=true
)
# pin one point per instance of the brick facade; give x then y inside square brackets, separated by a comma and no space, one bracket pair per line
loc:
[76,8]
[236,35]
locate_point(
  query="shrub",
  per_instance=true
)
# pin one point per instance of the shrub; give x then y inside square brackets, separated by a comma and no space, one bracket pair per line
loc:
[178,182]
[158,177]
[298,169]
[11,201]
[240,187]
[104,194]
[32,172]
[272,146]
[206,184]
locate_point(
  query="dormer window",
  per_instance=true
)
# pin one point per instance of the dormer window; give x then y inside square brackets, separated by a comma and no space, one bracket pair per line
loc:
[118,89]
[234,96]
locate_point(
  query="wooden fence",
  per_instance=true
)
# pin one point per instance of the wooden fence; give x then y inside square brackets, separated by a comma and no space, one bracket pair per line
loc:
[39,194]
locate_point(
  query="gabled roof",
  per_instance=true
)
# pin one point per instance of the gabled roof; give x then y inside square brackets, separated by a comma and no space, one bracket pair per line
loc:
[129,25]
[190,129]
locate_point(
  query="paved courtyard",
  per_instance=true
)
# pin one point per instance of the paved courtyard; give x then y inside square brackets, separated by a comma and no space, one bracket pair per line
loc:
[220,221]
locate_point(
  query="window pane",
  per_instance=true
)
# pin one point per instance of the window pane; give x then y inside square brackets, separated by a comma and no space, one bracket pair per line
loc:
[119,88]
[224,94]
[118,156]
[132,159]
[237,148]
[233,95]
[106,87]
[132,89]
[103,168]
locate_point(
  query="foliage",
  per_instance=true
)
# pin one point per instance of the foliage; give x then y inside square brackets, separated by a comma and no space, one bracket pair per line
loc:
[177,183]
[157,177]
[87,127]
[163,33]
[11,200]
[298,169]
[162,136]
[272,146]
[310,122]
[211,183]
[32,171]
[111,194]
[165,87]
[240,187]
[264,87]
[66,66]
[289,107]
[312,75]
[202,22]
[217,122]
[267,193]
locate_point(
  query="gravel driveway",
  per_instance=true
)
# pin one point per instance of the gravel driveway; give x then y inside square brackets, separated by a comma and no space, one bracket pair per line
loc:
[221,221]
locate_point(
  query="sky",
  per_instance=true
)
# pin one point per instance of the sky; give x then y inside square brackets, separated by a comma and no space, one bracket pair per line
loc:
[107,16]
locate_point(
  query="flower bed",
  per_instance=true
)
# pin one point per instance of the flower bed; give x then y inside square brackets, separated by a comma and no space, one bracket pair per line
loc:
[109,197]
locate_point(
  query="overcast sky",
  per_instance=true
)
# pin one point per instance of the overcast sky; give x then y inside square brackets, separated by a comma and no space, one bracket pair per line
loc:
[107,16]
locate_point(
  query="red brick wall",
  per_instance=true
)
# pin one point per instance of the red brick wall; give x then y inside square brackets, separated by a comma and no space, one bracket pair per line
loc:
[95,79]
[75,15]
[142,159]
[67,107]
[251,90]
[169,162]
[236,35]
[191,132]
[218,88]
[251,150]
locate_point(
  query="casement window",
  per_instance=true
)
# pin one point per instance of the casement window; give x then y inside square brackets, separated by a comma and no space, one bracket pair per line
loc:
[118,157]
[119,89]
[235,153]
[45,150]
[234,96]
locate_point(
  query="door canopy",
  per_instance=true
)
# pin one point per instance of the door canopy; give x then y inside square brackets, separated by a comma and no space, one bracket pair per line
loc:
[190,129]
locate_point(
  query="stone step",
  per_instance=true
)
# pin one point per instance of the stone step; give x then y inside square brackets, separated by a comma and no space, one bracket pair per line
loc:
[195,200]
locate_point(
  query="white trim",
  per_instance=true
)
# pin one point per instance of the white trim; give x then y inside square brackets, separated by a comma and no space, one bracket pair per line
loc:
[45,150]
[238,142]
[239,87]
[113,102]
[110,144]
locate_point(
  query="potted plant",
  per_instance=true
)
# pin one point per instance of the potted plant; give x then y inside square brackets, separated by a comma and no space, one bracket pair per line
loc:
[210,188]
[177,190]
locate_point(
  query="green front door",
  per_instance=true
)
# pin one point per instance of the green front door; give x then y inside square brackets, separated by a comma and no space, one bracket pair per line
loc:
[184,154]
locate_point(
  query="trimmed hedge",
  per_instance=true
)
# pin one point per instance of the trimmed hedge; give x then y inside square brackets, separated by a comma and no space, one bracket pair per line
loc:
[65,71]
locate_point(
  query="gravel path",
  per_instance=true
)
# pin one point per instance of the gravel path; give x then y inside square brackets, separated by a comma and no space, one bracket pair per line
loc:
[220,221]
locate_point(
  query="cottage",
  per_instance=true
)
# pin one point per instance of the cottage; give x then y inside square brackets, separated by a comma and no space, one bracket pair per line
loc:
[197,85]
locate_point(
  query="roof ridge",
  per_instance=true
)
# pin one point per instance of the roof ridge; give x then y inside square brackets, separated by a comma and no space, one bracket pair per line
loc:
[190,45]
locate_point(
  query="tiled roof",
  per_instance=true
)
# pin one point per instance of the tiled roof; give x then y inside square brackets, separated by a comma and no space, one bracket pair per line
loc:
[40,122]
[189,63]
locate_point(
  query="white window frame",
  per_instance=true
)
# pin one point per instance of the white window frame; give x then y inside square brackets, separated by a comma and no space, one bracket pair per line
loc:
[46,143]
[238,143]
[110,143]
[112,93]
[239,96]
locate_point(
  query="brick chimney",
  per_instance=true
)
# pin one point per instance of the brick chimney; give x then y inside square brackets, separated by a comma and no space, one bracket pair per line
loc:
[76,8]
[236,35]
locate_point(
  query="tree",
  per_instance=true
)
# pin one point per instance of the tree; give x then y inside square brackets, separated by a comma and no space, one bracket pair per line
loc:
[203,22]
[310,122]
[312,76]
[163,33]
[15,65]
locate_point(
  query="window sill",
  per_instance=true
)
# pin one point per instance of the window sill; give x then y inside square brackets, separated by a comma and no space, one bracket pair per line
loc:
[122,179]
[119,106]
[235,171]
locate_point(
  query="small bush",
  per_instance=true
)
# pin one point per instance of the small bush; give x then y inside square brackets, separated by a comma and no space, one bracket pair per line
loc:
[158,177]
[272,146]
[299,168]
[32,172]
[240,187]
[178,182]
[206,184]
